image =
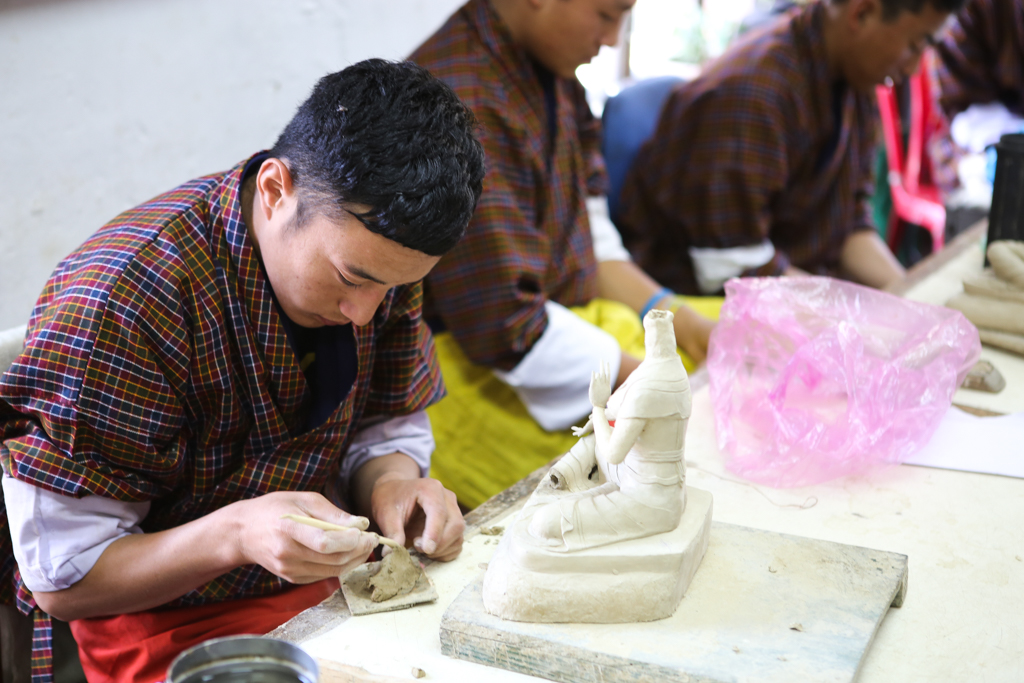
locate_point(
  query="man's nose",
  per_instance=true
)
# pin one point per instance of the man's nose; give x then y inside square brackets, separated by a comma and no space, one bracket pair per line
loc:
[361,308]
[610,37]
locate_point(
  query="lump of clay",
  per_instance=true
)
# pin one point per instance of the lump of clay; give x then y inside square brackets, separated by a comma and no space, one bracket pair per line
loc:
[397,575]
[1007,259]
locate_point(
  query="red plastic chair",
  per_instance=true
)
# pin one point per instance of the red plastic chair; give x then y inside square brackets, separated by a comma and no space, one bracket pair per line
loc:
[914,199]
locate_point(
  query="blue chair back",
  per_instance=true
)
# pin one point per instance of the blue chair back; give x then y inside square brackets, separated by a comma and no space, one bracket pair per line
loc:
[629,120]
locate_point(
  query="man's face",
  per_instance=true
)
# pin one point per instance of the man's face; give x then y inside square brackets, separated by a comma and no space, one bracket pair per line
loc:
[888,48]
[332,272]
[567,33]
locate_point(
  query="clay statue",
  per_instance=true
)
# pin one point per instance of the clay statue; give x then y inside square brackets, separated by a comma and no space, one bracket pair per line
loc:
[611,535]
[641,457]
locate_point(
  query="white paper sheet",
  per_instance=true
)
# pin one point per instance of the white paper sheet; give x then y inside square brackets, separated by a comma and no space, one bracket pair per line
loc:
[990,445]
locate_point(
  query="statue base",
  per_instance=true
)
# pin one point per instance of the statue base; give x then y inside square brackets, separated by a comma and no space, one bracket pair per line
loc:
[642,579]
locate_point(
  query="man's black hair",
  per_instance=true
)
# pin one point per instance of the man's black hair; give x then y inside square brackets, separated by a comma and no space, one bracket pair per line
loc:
[892,8]
[390,136]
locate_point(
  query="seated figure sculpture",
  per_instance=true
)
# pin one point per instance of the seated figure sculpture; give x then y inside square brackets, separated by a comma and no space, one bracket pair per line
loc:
[614,513]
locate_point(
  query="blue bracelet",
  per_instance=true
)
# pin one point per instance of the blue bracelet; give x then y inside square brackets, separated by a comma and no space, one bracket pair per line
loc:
[653,301]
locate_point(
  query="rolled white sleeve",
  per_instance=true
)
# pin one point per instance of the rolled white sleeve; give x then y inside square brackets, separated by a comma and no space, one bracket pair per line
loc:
[58,539]
[553,379]
[409,434]
[605,236]
[713,267]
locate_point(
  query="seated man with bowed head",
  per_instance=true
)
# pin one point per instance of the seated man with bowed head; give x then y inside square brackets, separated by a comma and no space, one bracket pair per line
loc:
[762,165]
[246,346]
[981,62]
[540,290]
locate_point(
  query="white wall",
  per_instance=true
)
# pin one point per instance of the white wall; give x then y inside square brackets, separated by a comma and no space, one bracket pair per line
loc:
[106,103]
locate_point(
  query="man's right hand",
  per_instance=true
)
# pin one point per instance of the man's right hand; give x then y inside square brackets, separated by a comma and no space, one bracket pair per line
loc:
[296,552]
[142,571]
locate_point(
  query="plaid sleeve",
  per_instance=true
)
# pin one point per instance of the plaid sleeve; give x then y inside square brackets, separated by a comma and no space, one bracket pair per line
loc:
[967,57]
[489,288]
[862,217]
[720,160]
[589,128]
[97,408]
[406,376]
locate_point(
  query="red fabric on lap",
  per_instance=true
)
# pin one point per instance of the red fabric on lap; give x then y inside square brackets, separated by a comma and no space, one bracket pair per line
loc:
[139,647]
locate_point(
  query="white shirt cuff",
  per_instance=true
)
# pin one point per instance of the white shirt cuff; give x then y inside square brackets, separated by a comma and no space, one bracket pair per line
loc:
[605,236]
[553,379]
[58,539]
[409,434]
[713,267]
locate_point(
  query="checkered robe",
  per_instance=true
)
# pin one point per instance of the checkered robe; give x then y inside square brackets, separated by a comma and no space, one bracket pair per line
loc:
[156,368]
[981,57]
[529,240]
[750,150]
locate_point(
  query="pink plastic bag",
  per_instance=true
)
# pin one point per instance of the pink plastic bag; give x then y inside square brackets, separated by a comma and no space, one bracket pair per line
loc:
[815,378]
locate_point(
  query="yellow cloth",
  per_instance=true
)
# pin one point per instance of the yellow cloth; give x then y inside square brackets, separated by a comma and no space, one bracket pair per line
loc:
[486,440]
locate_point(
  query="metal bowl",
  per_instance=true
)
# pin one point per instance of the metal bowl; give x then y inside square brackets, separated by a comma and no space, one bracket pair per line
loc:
[254,659]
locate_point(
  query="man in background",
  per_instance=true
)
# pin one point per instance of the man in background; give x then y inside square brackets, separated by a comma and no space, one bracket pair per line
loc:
[540,291]
[981,57]
[762,165]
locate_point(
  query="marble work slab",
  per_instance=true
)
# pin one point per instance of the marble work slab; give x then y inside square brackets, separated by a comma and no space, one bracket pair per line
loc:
[764,607]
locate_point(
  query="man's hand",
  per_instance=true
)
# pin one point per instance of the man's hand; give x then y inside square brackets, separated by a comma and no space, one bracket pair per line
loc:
[423,510]
[142,571]
[409,508]
[866,259]
[692,333]
[296,552]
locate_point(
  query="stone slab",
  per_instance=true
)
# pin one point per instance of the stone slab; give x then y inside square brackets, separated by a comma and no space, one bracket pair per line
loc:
[763,607]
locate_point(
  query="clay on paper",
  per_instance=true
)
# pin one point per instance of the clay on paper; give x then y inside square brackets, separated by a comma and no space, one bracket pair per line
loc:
[397,575]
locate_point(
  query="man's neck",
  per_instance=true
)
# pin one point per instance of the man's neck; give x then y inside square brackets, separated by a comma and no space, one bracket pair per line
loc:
[513,14]
[247,198]
[833,36]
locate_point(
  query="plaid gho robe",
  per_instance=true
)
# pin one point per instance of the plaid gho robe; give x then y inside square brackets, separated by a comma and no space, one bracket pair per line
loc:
[529,240]
[156,368]
[981,57]
[750,150]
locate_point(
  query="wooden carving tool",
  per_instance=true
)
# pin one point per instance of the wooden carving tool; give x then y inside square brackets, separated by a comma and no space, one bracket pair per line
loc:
[328,526]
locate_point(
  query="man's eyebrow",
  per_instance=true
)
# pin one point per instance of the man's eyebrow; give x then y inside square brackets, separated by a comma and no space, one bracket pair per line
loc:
[363,275]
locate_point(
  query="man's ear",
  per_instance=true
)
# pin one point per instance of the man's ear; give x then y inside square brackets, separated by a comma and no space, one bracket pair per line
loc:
[859,13]
[275,189]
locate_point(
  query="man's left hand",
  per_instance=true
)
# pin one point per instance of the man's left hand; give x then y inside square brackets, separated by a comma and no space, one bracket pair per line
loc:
[422,510]
[408,508]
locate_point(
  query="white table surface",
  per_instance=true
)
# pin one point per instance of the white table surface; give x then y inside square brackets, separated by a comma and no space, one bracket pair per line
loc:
[963,619]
